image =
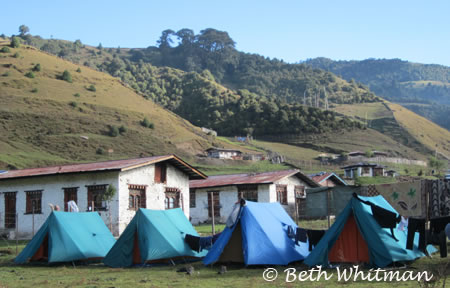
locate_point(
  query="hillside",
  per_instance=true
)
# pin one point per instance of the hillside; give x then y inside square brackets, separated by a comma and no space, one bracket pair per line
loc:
[423,88]
[45,120]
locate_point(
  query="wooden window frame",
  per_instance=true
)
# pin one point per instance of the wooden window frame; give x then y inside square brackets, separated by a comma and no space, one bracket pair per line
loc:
[300,191]
[281,194]
[34,196]
[245,190]
[68,196]
[192,198]
[137,192]
[173,194]
[93,192]
[161,173]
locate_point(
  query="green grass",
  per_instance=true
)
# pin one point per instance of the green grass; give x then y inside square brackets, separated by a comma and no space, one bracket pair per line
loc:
[98,275]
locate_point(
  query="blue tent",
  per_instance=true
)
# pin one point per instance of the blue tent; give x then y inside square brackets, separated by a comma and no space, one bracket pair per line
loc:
[66,237]
[153,236]
[258,237]
[357,237]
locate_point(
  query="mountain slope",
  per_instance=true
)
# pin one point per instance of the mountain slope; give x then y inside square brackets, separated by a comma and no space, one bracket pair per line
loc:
[423,88]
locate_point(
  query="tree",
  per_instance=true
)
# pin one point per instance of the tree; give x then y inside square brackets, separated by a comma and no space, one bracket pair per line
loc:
[186,36]
[165,40]
[23,30]
[436,163]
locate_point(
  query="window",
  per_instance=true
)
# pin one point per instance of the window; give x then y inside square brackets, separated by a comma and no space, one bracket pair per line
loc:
[137,197]
[192,198]
[70,194]
[282,194]
[160,172]
[95,195]
[366,170]
[216,199]
[172,199]
[248,192]
[34,202]
[300,192]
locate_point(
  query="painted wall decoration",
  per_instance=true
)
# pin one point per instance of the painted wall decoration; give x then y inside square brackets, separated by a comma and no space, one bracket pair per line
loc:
[439,198]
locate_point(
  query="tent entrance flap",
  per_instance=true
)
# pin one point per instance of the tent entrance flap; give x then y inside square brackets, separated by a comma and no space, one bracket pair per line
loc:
[136,251]
[233,250]
[42,251]
[350,247]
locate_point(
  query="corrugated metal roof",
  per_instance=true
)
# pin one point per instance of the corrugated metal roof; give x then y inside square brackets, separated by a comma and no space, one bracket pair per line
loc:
[120,165]
[324,175]
[252,178]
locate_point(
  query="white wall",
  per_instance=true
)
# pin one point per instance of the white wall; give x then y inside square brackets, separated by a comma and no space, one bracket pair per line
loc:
[291,182]
[154,193]
[53,193]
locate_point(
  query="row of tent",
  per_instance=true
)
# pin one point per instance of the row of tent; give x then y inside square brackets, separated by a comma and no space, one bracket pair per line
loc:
[256,235]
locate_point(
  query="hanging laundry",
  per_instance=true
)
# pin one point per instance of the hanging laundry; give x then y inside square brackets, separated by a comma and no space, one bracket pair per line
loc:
[416,224]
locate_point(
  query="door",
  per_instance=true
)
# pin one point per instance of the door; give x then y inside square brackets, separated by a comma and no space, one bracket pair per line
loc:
[10,210]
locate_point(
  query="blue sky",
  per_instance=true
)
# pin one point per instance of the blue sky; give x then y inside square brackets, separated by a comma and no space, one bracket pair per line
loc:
[417,31]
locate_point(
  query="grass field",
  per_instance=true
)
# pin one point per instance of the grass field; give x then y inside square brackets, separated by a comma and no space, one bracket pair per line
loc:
[97,275]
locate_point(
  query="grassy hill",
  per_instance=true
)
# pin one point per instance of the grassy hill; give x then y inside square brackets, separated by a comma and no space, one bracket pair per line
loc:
[46,120]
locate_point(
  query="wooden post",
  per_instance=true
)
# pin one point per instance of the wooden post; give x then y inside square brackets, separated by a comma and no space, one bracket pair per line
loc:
[296,209]
[17,232]
[328,208]
[212,213]
[33,217]
[93,209]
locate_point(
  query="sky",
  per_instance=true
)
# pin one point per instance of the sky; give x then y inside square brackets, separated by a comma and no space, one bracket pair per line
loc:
[291,30]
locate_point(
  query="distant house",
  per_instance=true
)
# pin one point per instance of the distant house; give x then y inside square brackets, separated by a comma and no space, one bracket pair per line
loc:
[159,182]
[363,170]
[225,190]
[222,153]
[363,154]
[391,173]
[328,179]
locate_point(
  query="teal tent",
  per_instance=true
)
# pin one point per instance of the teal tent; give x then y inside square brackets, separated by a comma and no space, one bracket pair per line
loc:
[357,237]
[258,236]
[153,236]
[66,237]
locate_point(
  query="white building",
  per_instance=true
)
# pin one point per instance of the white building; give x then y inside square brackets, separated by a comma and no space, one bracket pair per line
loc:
[363,170]
[226,190]
[159,182]
[221,153]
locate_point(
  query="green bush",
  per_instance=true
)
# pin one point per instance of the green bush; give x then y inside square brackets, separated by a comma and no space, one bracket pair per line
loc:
[76,94]
[15,42]
[37,67]
[113,131]
[122,129]
[29,75]
[34,90]
[78,70]
[66,76]
[5,50]
[145,122]
[16,55]
[73,104]
[6,74]
[91,88]
[100,151]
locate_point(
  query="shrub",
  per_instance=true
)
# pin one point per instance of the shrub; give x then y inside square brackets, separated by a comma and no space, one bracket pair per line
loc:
[6,74]
[66,76]
[73,104]
[78,70]
[100,151]
[76,94]
[113,131]
[5,50]
[91,88]
[122,129]
[37,67]
[145,122]
[29,75]
[16,55]
[34,90]
[15,42]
